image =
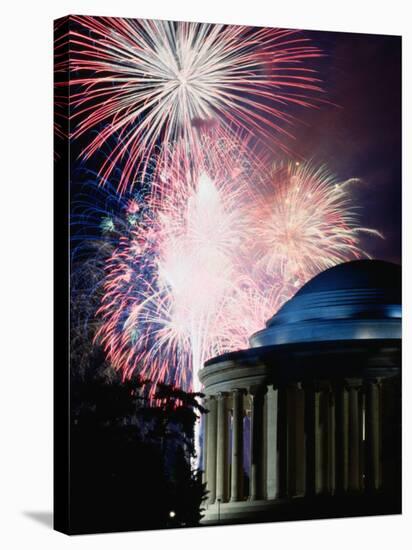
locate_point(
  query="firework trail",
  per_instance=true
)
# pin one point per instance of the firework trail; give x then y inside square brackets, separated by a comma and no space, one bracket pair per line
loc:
[60,87]
[156,82]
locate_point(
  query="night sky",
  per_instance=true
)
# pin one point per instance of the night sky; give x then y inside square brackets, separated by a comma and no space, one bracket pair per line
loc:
[357,131]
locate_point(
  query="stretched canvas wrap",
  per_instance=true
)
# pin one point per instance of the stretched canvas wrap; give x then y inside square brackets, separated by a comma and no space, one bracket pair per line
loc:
[227,274]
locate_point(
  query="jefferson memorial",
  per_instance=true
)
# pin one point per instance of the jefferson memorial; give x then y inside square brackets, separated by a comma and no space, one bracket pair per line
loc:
[306,423]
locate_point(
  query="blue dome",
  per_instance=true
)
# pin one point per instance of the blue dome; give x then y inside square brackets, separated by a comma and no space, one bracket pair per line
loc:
[354,275]
[354,300]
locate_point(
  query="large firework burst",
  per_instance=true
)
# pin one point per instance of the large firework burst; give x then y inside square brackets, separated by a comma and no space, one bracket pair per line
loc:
[176,281]
[306,222]
[156,82]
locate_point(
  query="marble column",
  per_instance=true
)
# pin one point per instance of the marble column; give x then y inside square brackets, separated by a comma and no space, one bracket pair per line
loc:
[256,434]
[282,442]
[211,448]
[342,438]
[236,492]
[272,477]
[320,437]
[324,412]
[331,442]
[300,442]
[355,430]
[325,440]
[310,430]
[222,448]
[373,426]
[203,430]
[295,441]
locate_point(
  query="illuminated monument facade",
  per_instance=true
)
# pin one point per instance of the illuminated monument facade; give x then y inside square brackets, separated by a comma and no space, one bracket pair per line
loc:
[306,422]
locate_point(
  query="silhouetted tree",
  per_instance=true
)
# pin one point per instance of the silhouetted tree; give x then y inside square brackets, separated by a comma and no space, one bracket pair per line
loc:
[131,458]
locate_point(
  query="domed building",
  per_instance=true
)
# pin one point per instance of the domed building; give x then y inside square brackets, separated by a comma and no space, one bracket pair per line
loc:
[306,422]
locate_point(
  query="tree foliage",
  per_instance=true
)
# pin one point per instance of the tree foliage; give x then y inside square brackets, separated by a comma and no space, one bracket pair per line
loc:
[131,457]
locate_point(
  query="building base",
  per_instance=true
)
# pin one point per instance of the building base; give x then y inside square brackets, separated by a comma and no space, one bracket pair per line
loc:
[301,508]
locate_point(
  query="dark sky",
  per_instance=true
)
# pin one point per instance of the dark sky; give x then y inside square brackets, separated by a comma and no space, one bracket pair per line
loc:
[356,131]
[359,133]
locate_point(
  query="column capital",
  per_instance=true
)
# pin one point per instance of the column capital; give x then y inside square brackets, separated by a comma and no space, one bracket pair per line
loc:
[208,399]
[353,383]
[271,389]
[241,391]
[375,380]
[221,395]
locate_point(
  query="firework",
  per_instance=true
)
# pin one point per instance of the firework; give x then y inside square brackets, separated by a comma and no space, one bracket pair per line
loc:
[176,283]
[210,253]
[61,91]
[307,222]
[157,82]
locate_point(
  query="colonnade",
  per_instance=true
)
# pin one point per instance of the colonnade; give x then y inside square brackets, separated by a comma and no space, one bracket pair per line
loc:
[302,439]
